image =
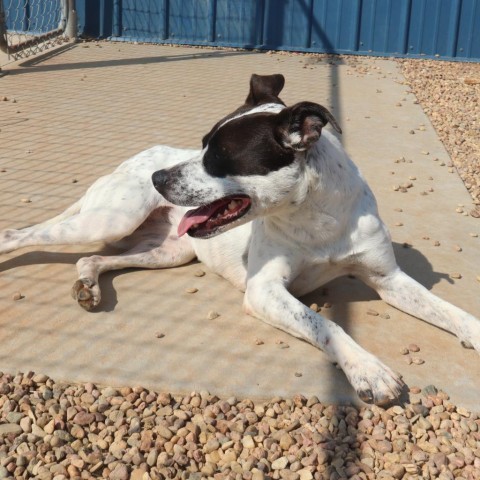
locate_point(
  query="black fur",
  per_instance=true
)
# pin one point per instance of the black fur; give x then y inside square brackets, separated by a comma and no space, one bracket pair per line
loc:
[247,146]
[263,89]
[259,143]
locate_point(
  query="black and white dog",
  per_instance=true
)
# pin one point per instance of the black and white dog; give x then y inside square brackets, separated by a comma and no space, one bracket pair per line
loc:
[293,212]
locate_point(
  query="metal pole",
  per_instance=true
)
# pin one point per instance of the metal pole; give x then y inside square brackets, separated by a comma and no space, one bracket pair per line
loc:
[71,29]
[117,19]
[3,30]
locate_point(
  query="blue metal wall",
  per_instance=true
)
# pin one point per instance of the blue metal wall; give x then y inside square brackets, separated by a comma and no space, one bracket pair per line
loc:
[433,28]
[33,16]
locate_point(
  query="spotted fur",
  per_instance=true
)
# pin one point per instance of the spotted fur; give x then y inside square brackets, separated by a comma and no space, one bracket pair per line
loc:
[311,218]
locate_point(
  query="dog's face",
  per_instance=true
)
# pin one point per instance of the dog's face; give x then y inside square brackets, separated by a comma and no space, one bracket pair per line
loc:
[250,164]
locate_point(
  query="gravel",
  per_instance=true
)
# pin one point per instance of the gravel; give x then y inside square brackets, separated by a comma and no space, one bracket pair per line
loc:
[449,93]
[54,431]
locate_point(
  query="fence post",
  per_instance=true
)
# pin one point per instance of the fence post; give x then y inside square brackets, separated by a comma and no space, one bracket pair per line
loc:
[72,20]
[213,19]
[3,30]
[117,19]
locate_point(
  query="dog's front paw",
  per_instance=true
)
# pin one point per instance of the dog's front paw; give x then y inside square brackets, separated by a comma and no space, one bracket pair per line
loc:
[374,382]
[86,293]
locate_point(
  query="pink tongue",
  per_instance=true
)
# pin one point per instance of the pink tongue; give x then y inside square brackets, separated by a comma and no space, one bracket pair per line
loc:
[199,215]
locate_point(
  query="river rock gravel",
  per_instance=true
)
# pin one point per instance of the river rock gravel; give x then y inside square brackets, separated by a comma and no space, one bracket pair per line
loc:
[449,93]
[54,431]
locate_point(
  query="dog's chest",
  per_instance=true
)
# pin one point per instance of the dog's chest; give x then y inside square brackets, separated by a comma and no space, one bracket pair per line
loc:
[227,254]
[314,276]
[315,265]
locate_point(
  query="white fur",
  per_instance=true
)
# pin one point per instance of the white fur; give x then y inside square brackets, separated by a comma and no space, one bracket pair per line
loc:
[309,222]
[264,108]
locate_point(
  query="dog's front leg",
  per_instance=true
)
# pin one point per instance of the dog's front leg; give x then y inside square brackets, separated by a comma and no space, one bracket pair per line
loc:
[271,302]
[406,294]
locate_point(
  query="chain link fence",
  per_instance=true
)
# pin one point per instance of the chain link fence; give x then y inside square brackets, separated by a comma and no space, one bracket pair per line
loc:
[29,27]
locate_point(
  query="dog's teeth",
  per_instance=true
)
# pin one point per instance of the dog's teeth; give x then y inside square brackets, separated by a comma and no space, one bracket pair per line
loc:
[232,205]
[195,225]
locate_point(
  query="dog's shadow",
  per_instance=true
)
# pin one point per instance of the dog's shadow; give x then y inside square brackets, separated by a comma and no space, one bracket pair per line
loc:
[410,260]
[109,295]
[350,289]
[343,291]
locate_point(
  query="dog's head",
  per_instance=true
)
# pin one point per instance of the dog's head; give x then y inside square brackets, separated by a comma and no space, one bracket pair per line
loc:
[251,161]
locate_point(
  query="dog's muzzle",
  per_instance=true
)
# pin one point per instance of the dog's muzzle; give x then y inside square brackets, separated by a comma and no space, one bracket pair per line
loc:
[210,218]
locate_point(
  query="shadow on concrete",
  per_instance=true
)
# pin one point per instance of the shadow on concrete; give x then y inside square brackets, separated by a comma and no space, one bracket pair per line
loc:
[35,65]
[342,292]
[350,289]
[44,258]
[338,292]
[109,294]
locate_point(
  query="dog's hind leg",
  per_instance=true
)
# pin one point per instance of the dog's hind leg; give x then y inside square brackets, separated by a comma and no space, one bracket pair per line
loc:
[67,213]
[406,294]
[112,208]
[88,227]
[10,239]
[151,253]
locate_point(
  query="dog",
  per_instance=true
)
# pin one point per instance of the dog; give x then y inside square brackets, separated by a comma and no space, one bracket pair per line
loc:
[279,209]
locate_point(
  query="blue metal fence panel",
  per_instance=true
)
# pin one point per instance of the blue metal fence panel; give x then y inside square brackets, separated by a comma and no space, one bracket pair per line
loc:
[448,29]
[96,17]
[32,16]
[286,24]
[468,39]
[335,25]
[384,26]
[237,23]
[190,21]
[432,30]
[44,15]
[16,21]
[141,19]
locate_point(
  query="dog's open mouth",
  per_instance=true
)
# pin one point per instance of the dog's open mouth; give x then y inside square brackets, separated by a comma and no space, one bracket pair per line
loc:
[205,220]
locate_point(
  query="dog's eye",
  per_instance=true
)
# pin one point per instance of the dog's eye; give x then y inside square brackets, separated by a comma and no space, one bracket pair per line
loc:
[214,163]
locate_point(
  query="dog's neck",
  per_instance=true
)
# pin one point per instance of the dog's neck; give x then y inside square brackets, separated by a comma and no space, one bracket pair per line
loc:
[329,189]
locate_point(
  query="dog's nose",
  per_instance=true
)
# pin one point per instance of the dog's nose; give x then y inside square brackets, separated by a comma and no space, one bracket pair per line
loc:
[159,179]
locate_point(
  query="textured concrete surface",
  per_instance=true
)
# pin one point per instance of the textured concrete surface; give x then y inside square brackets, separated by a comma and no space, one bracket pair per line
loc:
[4,60]
[77,114]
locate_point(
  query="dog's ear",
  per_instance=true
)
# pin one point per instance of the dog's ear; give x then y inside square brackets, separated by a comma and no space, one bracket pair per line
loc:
[300,126]
[265,89]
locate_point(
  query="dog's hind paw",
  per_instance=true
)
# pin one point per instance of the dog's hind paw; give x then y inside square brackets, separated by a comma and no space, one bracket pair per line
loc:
[86,293]
[8,240]
[469,333]
[375,383]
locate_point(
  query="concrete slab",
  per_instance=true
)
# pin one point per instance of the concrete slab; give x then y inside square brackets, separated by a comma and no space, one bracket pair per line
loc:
[79,113]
